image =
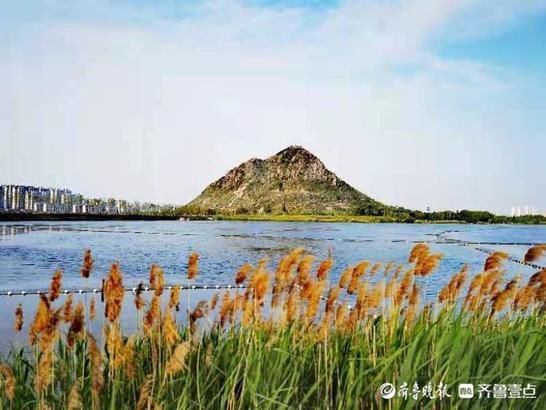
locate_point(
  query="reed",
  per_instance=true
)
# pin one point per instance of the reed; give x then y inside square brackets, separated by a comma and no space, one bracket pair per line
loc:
[289,341]
[87,265]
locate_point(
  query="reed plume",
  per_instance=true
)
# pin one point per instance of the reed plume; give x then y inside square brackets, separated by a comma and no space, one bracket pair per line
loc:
[361,304]
[538,278]
[225,308]
[324,327]
[360,268]
[87,265]
[405,286]
[74,398]
[357,272]
[249,311]
[490,279]
[336,336]
[324,268]
[67,309]
[418,252]
[113,293]
[76,327]
[345,277]
[352,320]
[413,303]
[18,325]
[495,261]
[153,314]
[276,295]
[397,272]
[450,292]
[157,279]
[130,356]
[260,284]
[292,306]
[500,299]
[341,315]
[426,265]
[55,285]
[174,298]
[314,299]
[535,253]
[214,300]
[92,309]
[193,265]
[525,296]
[333,294]
[304,267]
[375,268]
[389,288]
[114,345]
[376,295]
[388,268]
[473,291]
[42,319]
[139,300]
[145,393]
[283,274]
[44,375]
[199,312]
[9,383]
[177,361]
[242,273]
[169,329]
[97,373]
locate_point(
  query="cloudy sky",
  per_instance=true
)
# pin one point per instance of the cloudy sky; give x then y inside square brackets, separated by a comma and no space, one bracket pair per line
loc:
[417,103]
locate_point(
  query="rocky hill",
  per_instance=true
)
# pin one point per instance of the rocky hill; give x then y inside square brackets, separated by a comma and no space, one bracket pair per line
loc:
[294,181]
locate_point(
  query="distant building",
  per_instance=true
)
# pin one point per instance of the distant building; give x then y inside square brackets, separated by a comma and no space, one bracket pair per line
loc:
[32,199]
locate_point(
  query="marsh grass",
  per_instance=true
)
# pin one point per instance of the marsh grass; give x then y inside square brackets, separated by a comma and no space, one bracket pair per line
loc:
[288,340]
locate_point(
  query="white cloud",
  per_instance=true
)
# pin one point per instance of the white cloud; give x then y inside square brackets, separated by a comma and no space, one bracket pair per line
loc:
[147,105]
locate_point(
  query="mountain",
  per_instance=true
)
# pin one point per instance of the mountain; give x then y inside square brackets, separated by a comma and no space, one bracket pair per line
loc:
[293,181]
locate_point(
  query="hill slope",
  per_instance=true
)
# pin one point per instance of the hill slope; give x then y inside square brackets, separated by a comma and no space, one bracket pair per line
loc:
[293,181]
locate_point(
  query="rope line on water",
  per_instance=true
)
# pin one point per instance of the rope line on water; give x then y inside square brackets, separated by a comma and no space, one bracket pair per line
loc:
[134,290]
[82,291]
[490,251]
[441,240]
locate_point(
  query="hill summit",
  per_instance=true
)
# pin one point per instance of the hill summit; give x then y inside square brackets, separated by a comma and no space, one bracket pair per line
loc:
[293,181]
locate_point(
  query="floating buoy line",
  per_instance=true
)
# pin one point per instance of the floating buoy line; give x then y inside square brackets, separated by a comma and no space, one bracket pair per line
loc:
[441,239]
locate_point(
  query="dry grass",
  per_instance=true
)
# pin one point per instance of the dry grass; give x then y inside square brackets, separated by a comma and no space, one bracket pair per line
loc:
[289,339]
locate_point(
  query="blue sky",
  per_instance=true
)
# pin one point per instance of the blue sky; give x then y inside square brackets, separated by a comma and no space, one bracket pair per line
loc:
[417,103]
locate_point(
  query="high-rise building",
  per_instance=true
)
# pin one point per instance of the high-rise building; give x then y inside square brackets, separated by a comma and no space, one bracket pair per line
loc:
[54,200]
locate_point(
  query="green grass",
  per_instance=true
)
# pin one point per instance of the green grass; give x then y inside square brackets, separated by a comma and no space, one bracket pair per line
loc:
[305,218]
[297,354]
[265,368]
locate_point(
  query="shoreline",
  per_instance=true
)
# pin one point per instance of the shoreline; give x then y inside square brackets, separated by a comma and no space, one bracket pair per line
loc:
[22,217]
[364,219]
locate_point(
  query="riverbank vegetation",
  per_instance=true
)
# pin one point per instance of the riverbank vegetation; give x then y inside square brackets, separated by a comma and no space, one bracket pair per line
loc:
[288,337]
[192,213]
[393,215]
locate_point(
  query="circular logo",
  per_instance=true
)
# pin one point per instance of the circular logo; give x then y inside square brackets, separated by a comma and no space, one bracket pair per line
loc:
[387,390]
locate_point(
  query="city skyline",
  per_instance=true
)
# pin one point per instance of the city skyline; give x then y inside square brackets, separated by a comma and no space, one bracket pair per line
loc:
[81,204]
[54,200]
[418,103]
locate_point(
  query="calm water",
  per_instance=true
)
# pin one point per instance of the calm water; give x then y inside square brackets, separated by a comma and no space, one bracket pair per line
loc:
[30,252]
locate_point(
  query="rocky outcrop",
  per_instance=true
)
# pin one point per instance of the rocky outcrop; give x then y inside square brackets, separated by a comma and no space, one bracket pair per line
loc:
[293,181]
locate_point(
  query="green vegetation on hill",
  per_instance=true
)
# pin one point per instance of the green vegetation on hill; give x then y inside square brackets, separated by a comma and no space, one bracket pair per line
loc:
[294,185]
[293,181]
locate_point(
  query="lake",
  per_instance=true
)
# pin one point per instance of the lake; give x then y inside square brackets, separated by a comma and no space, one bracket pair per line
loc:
[31,251]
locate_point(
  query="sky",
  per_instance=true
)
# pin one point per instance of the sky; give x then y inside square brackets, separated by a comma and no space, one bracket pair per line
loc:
[418,103]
